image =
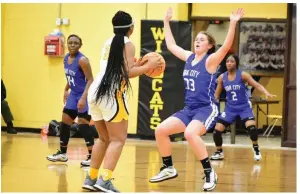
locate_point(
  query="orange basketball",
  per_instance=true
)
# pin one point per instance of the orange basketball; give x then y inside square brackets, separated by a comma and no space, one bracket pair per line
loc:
[160,67]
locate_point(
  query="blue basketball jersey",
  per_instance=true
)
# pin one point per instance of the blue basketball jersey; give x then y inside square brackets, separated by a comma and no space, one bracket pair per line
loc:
[75,75]
[199,83]
[236,90]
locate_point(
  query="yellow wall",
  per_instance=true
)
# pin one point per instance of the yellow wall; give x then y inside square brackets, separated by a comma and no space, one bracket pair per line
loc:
[252,10]
[35,82]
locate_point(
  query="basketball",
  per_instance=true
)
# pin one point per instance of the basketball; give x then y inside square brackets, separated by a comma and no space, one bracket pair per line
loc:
[160,67]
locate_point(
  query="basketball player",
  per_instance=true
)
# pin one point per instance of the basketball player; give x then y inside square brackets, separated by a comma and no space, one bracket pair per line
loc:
[108,103]
[79,78]
[200,111]
[237,104]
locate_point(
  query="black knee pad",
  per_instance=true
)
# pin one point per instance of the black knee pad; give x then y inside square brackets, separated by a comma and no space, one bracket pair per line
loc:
[253,132]
[87,134]
[226,124]
[64,134]
[84,115]
[218,138]
[72,113]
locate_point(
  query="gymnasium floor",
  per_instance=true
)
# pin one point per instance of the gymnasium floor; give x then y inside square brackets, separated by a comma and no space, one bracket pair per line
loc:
[25,168]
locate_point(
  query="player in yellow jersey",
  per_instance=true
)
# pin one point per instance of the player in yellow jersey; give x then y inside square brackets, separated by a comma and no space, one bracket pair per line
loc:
[107,98]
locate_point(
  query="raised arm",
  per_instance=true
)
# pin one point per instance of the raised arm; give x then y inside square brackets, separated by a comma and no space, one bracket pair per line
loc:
[215,59]
[170,41]
[248,78]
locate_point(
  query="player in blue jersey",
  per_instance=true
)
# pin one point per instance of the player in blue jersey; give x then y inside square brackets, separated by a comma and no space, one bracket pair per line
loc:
[79,78]
[200,111]
[237,104]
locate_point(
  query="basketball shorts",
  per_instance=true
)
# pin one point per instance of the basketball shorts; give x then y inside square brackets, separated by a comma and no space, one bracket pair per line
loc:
[72,102]
[110,110]
[207,114]
[230,113]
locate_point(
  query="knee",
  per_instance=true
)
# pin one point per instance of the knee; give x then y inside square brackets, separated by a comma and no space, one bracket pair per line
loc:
[188,135]
[159,131]
[253,132]
[118,140]
[104,140]
[221,126]
[82,121]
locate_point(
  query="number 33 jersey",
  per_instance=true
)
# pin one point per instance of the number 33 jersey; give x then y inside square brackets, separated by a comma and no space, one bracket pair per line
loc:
[74,74]
[236,91]
[199,83]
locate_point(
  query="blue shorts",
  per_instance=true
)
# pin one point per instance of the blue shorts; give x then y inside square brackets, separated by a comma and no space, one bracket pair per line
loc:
[207,114]
[229,115]
[72,102]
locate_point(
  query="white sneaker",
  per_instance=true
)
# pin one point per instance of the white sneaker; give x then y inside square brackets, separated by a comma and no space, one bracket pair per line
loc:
[211,179]
[218,155]
[87,161]
[58,157]
[257,154]
[164,174]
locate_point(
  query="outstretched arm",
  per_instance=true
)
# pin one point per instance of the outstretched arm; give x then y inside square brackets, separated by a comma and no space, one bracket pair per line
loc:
[215,59]
[248,78]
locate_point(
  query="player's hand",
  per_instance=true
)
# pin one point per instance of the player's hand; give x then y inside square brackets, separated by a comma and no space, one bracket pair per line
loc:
[81,104]
[66,94]
[268,95]
[169,14]
[140,62]
[154,61]
[237,15]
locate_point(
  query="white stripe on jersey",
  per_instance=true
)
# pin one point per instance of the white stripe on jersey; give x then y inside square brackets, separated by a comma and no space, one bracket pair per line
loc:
[210,87]
[212,116]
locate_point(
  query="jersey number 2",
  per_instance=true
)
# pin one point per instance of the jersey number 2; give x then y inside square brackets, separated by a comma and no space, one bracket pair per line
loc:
[234,96]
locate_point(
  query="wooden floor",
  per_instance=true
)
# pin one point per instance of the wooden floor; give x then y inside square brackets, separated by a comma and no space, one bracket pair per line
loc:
[25,168]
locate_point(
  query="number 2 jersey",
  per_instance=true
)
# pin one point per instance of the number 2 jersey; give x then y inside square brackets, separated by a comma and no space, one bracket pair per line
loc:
[199,83]
[75,75]
[236,91]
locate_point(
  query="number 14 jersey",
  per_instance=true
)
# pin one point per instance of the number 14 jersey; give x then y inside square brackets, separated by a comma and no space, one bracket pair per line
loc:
[75,75]
[236,91]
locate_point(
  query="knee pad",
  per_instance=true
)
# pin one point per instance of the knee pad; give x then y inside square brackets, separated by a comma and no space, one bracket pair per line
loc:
[85,115]
[218,138]
[253,132]
[225,123]
[87,134]
[71,113]
[64,134]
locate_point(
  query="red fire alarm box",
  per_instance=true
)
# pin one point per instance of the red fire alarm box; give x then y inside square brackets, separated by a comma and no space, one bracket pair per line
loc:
[54,46]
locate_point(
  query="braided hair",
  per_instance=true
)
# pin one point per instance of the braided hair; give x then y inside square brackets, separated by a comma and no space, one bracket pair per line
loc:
[116,70]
